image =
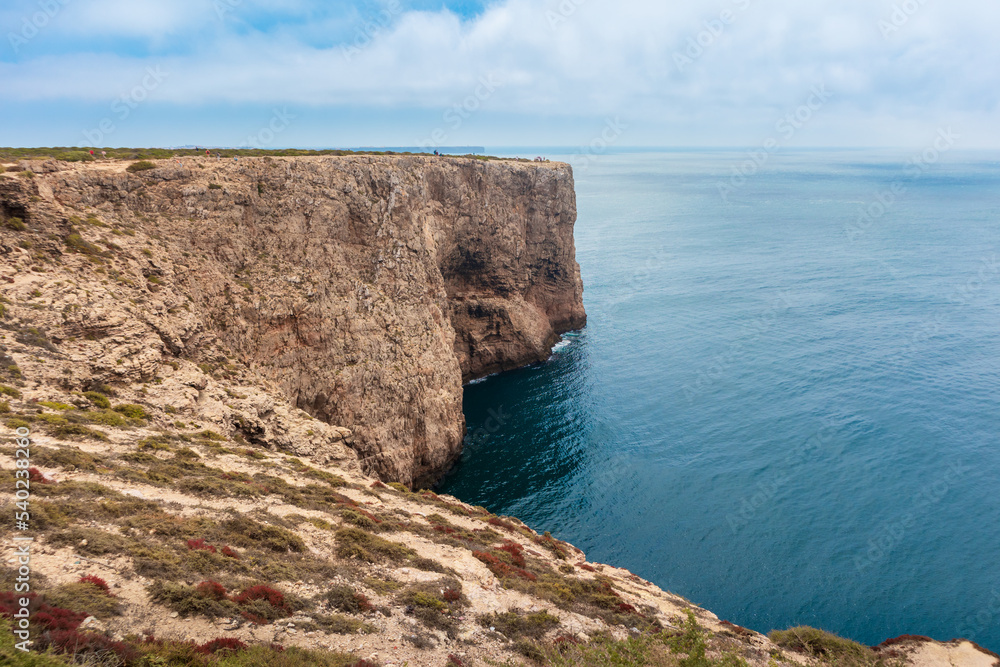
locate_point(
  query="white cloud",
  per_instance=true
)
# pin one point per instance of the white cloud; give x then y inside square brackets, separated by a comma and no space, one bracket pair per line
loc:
[599,59]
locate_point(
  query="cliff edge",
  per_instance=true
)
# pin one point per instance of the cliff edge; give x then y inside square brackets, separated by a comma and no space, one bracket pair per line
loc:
[368,287]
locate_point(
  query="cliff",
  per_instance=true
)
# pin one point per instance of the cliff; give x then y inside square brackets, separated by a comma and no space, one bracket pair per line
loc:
[211,359]
[369,288]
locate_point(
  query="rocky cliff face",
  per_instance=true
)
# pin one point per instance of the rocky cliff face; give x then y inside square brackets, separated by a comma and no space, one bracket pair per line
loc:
[368,288]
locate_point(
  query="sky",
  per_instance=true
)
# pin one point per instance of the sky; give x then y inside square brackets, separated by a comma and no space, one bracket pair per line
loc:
[574,73]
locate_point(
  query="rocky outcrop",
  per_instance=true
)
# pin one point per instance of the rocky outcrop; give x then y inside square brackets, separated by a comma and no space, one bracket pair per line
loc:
[368,288]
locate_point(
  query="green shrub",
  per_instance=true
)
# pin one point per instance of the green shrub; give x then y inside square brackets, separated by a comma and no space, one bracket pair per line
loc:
[141,165]
[210,435]
[516,625]
[65,457]
[383,586]
[106,418]
[359,520]
[289,657]
[191,600]
[16,224]
[214,186]
[98,399]
[132,411]
[84,598]
[435,603]
[73,431]
[344,598]
[76,491]
[824,645]
[51,420]
[46,515]
[328,477]
[356,543]
[91,541]
[692,641]
[79,244]
[9,391]
[244,532]
[534,652]
[155,443]
[339,624]
[210,487]
[428,600]
[53,405]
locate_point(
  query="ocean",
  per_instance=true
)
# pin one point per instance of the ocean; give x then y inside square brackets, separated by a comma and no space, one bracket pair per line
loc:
[784,406]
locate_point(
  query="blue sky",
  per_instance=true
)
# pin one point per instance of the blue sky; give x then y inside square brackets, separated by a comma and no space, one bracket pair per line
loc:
[499,73]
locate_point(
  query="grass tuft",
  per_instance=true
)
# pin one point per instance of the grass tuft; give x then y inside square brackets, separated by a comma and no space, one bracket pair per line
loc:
[825,646]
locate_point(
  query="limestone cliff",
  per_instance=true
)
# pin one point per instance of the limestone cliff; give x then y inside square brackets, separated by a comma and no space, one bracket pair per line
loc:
[369,288]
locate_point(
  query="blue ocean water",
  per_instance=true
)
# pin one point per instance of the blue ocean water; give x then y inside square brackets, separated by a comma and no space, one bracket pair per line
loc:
[780,409]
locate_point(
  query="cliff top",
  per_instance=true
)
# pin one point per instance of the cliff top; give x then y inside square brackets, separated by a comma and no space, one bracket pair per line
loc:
[114,156]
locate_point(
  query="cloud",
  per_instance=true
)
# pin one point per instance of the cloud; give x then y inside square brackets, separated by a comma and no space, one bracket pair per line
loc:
[739,63]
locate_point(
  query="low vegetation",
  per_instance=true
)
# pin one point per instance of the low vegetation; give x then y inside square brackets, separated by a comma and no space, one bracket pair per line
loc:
[60,648]
[515,624]
[69,154]
[435,604]
[828,647]
[141,165]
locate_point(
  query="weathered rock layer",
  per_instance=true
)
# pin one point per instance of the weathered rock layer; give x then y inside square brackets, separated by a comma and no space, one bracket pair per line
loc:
[369,288]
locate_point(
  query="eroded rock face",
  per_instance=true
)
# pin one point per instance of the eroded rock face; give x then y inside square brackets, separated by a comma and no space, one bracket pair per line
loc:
[368,288]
